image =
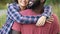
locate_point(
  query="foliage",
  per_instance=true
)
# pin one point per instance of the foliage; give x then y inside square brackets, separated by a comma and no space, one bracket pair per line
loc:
[2,19]
[48,1]
[5,1]
[52,1]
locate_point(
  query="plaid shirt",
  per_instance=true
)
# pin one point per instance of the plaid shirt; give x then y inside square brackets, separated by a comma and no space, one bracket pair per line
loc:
[13,15]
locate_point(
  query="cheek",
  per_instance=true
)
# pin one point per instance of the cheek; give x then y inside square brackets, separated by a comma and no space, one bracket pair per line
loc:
[27,1]
[19,1]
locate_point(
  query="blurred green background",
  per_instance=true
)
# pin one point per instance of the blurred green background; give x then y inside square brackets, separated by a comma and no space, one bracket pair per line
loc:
[3,8]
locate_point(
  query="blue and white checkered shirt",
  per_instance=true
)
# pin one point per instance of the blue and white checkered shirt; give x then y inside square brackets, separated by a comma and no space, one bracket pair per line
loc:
[14,15]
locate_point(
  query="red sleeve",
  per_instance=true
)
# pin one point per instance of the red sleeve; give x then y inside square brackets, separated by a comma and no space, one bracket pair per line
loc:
[56,24]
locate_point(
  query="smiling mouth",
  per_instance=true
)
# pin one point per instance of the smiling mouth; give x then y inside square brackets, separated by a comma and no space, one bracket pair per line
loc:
[24,3]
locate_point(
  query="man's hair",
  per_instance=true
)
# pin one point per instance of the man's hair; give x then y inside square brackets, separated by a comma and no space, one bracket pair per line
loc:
[36,4]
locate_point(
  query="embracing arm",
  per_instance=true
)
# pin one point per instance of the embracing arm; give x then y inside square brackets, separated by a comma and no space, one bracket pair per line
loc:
[15,15]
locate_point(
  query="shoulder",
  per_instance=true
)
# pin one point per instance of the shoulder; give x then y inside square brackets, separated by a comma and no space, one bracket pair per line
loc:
[55,16]
[13,5]
[56,20]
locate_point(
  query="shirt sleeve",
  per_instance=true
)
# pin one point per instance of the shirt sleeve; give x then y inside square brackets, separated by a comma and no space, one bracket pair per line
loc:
[47,11]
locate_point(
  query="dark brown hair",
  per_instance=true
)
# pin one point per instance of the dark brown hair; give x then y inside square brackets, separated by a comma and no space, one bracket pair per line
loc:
[37,6]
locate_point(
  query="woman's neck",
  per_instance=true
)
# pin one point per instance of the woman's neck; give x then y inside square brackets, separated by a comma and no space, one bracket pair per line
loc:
[22,8]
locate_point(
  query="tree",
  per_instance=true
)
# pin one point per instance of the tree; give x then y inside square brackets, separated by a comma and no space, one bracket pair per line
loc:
[5,1]
[53,1]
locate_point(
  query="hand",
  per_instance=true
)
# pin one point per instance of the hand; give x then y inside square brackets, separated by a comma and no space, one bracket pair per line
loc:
[41,21]
[50,19]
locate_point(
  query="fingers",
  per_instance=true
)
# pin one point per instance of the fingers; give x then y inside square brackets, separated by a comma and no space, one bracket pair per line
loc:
[50,19]
[41,21]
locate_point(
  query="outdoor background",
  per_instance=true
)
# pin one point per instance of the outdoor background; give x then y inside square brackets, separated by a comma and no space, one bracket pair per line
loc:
[3,9]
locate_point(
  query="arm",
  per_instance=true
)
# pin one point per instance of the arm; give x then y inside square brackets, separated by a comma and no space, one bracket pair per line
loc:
[13,13]
[45,15]
[16,16]
[47,11]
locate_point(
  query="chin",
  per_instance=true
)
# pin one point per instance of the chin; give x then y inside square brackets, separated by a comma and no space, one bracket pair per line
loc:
[23,5]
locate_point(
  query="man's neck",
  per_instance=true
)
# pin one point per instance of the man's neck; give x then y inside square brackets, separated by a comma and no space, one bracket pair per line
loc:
[38,10]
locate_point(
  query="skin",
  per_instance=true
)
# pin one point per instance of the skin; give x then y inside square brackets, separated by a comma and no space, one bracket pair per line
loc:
[23,4]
